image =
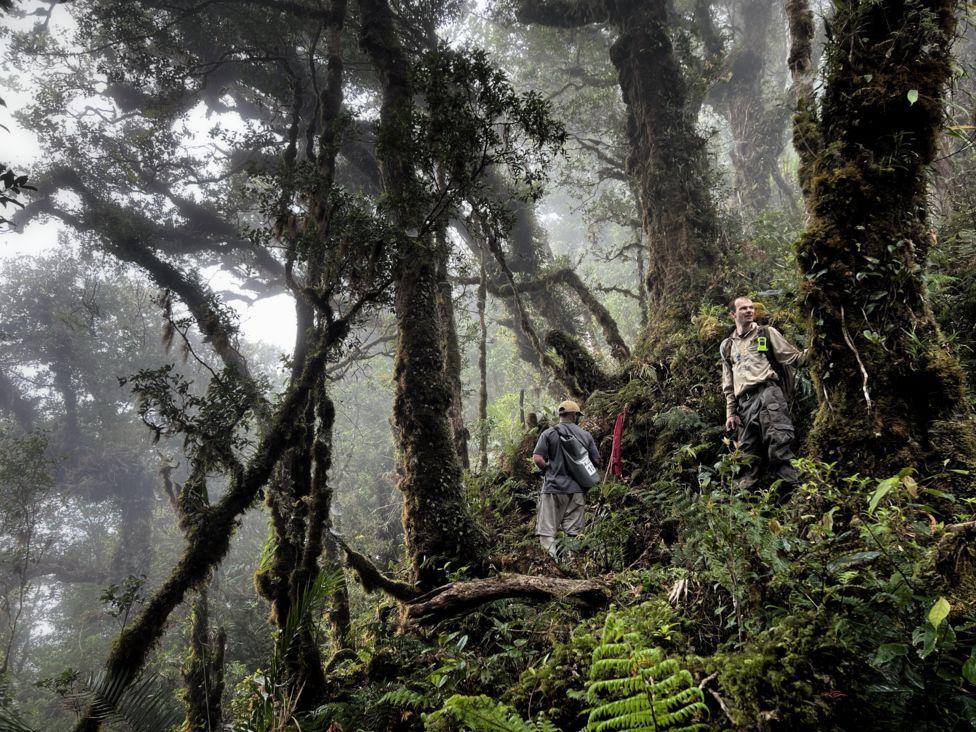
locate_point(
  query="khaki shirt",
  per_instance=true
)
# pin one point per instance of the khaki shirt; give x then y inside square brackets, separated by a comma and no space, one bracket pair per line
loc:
[751,367]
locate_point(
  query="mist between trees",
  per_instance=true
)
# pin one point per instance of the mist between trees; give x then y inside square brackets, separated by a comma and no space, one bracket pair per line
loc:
[473,212]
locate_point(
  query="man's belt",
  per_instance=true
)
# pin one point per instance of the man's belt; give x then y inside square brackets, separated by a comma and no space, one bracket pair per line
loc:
[754,390]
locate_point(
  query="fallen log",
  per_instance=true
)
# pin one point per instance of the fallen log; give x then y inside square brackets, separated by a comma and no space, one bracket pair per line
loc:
[460,597]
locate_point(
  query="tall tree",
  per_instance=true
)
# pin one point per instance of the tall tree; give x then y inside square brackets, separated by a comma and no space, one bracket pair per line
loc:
[667,159]
[891,392]
[439,528]
[751,96]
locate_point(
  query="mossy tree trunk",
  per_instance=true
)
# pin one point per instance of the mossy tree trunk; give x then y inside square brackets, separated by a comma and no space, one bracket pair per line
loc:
[203,671]
[482,367]
[891,393]
[667,160]
[301,498]
[757,118]
[439,530]
[452,349]
[285,584]
[203,667]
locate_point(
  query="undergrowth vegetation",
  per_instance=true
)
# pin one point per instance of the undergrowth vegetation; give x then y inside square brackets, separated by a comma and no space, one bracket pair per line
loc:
[849,604]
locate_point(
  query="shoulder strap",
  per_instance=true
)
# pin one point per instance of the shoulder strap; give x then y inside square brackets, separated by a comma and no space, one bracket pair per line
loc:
[762,332]
[725,350]
[561,433]
[556,434]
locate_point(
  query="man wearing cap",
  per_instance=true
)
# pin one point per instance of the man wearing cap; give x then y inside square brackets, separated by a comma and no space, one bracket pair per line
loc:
[562,502]
[754,400]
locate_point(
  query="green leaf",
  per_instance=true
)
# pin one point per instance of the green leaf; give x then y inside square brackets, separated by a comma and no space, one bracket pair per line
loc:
[939,612]
[969,668]
[888,652]
[884,487]
[912,96]
[925,636]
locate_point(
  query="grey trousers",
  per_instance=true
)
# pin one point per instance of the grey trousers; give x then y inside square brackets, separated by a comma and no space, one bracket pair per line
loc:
[766,435]
[557,511]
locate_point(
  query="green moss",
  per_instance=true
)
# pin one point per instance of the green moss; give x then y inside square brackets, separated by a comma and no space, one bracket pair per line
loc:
[772,682]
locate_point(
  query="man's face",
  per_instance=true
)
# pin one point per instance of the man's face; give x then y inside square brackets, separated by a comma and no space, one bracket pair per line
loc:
[745,312]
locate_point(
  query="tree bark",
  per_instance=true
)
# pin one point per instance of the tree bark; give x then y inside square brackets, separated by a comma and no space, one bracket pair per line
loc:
[482,367]
[891,392]
[203,671]
[668,160]
[452,350]
[757,122]
[439,530]
[203,668]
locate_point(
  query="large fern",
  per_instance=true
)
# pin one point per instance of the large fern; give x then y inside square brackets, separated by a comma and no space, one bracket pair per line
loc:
[10,722]
[143,704]
[635,687]
[482,714]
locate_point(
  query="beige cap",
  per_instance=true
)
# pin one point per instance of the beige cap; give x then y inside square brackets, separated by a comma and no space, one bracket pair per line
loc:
[568,406]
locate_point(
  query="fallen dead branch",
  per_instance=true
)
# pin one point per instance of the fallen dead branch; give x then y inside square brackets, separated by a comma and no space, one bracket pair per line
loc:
[460,597]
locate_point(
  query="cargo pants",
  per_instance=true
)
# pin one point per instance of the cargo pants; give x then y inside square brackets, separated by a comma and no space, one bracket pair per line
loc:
[766,435]
[564,511]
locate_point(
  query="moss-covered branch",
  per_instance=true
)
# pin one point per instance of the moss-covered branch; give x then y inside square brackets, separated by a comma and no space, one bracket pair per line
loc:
[567,277]
[372,579]
[525,322]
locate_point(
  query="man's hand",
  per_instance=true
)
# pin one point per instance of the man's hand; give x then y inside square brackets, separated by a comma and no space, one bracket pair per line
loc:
[732,423]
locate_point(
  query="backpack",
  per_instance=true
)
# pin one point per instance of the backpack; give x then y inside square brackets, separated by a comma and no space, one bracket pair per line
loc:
[786,374]
[577,460]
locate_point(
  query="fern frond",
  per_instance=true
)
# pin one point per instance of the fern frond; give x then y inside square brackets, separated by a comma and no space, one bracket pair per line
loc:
[404,699]
[634,687]
[10,722]
[310,605]
[544,725]
[142,704]
[616,687]
[484,714]
[610,650]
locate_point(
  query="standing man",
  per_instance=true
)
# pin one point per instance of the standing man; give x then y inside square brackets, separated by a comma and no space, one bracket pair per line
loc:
[754,399]
[562,502]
